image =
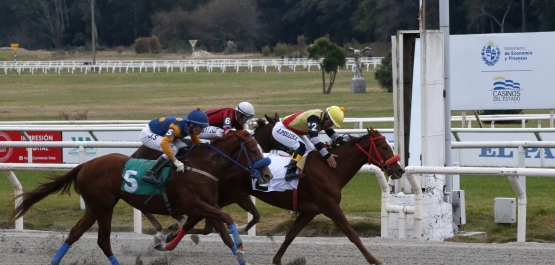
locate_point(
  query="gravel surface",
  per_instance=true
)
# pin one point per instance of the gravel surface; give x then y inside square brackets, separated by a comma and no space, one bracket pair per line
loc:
[38,247]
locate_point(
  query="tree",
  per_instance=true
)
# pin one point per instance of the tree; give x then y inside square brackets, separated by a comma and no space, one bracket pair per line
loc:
[330,57]
[53,16]
[384,74]
[478,9]
[220,21]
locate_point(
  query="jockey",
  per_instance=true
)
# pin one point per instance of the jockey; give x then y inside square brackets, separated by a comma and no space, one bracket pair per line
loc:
[223,120]
[162,134]
[310,123]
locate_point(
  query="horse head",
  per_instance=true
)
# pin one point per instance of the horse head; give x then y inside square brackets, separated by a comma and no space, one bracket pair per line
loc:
[263,134]
[379,153]
[253,159]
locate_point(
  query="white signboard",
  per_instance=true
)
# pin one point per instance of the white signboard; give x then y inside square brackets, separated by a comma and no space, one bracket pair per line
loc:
[502,71]
[504,157]
[71,155]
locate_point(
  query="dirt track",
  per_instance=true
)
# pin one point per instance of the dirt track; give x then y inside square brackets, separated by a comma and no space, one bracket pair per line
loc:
[34,247]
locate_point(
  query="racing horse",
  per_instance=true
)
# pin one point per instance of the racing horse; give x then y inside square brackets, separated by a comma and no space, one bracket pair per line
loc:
[263,134]
[319,191]
[193,192]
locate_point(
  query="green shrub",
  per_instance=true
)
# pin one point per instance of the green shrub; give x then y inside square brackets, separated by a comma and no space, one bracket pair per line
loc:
[141,45]
[384,74]
[266,51]
[282,49]
[120,49]
[154,45]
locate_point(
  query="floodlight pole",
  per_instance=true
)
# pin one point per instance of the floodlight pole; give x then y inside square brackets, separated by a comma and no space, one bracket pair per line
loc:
[93,34]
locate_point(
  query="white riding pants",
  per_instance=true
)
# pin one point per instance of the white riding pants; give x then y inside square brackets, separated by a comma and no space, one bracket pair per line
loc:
[289,138]
[152,140]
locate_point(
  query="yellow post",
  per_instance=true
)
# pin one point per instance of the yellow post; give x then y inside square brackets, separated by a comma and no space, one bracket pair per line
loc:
[14,48]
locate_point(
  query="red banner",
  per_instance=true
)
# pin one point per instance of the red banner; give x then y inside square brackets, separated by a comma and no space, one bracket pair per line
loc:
[40,155]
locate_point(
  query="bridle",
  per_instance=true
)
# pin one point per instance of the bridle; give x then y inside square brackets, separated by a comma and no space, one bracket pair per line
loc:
[252,167]
[383,165]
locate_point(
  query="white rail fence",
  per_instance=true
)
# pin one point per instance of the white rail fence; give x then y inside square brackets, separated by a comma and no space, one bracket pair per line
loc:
[511,173]
[386,208]
[466,121]
[195,65]
[8,169]
[414,184]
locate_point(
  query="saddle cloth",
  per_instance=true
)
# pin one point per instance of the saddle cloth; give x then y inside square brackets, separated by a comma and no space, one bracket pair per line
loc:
[278,167]
[132,177]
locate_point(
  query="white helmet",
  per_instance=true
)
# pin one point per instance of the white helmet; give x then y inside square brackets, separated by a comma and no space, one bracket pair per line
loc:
[246,109]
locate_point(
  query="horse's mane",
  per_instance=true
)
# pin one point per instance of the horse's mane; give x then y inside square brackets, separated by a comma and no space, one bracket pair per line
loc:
[354,140]
[259,123]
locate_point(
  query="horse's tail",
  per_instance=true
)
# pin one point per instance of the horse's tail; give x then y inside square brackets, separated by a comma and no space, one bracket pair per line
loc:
[58,183]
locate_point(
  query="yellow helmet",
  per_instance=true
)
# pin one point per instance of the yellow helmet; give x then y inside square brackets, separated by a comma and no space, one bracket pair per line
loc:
[336,115]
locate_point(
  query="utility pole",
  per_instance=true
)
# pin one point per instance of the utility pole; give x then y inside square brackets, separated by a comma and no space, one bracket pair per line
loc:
[93,34]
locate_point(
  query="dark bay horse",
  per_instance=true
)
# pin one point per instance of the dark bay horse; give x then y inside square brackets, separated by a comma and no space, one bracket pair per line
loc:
[320,190]
[192,192]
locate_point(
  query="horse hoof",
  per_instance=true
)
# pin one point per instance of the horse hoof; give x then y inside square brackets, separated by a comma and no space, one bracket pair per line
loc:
[159,247]
[173,226]
[169,237]
[298,261]
[195,239]
[241,229]
[240,255]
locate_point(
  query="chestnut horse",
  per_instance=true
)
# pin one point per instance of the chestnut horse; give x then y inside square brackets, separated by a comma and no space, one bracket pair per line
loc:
[263,135]
[193,192]
[319,191]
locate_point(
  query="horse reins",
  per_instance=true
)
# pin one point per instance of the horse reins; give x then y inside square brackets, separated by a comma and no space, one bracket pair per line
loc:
[384,165]
[252,169]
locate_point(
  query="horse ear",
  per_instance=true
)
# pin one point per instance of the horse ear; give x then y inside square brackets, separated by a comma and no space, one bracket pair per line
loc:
[276,116]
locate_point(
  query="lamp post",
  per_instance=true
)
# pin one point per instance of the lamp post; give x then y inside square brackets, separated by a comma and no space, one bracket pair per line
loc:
[93,34]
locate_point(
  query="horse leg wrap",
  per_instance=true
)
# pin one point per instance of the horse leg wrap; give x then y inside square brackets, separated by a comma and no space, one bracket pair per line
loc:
[60,254]
[236,237]
[241,258]
[113,260]
[180,234]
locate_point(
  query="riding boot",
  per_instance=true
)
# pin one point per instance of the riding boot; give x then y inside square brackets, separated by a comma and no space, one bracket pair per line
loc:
[151,175]
[291,172]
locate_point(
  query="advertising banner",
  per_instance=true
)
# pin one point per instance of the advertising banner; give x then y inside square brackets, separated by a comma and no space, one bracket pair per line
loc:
[502,71]
[40,155]
[71,155]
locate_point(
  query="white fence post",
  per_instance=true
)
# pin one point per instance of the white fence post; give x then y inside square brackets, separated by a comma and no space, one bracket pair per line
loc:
[18,189]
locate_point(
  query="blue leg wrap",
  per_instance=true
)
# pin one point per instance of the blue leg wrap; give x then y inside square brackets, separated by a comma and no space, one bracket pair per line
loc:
[113,260]
[236,237]
[234,250]
[59,254]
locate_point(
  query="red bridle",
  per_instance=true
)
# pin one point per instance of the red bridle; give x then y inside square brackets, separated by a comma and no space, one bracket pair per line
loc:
[385,166]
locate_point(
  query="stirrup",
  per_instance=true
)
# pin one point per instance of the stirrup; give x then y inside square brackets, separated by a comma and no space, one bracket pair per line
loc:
[291,177]
[150,178]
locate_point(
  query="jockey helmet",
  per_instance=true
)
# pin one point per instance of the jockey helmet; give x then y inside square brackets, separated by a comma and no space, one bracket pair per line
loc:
[246,109]
[336,115]
[198,117]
